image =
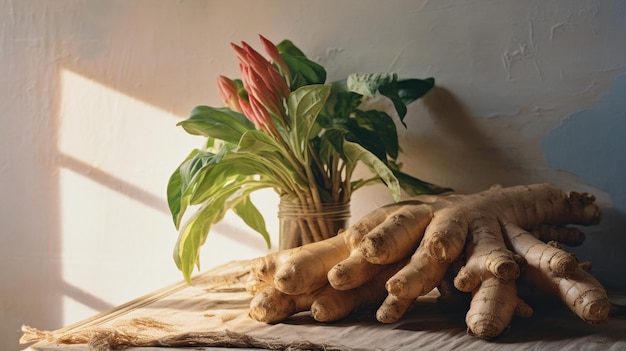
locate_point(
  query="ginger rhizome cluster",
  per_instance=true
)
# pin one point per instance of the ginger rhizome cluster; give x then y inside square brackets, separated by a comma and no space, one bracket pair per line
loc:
[480,245]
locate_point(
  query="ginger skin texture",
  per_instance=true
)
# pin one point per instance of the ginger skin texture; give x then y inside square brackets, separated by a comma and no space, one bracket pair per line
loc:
[483,244]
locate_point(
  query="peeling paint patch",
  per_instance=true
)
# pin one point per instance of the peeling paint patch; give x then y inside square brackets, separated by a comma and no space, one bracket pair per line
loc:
[591,144]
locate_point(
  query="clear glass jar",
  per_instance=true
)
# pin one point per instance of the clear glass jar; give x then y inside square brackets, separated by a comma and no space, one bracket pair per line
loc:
[306,223]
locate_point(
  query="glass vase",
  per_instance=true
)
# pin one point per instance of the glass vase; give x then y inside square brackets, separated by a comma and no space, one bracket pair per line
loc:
[303,222]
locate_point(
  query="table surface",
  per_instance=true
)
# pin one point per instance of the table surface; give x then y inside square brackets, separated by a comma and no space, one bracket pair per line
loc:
[217,303]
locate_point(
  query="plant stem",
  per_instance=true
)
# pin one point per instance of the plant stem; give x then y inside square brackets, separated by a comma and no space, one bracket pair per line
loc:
[327,181]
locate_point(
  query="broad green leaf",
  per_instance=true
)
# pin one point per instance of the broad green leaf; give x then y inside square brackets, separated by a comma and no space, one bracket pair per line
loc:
[260,148]
[345,103]
[391,92]
[337,87]
[186,177]
[263,149]
[256,141]
[361,132]
[195,231]
[324,148]
[383,126]
[238,168]
[335,137]
[191,238]
[355,152]
[368,84]
[215,178]
[400,92]
[306,71]
[288,47]
[414,186]
[246,210]
[403,92]
[257,154]
[298,80]
[303,106]
[367,138]
[222,124]
[275,170]
[175,193]
[410,90]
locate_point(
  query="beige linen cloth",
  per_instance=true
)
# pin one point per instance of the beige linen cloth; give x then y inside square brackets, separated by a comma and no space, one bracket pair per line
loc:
[213,313]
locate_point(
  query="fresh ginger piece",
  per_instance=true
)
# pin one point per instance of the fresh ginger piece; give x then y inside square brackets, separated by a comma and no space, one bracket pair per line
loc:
[418,277]
[582,210]
[492,307]
[454,215]
[353,272]
[394,231]
[329,307]
[487,255]
[389,234]
[435,229]
[442,243]
[558,273]
[489,274]
[444,237]
[306,267]
[393,308]
[578,289]
[536,252]
[326,304]
[263,268]
[271,305]
[569,236]
[398,235]
[527,206]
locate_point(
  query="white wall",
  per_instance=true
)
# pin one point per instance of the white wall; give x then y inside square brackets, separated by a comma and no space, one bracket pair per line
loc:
[528,91]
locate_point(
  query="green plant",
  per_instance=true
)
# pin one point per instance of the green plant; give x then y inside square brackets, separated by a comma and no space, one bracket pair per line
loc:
[286,129]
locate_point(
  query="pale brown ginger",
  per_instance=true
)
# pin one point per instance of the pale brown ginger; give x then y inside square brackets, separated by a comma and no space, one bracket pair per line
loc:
[487,234]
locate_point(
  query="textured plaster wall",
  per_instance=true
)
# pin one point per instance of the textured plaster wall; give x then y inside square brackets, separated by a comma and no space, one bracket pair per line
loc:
[527,91]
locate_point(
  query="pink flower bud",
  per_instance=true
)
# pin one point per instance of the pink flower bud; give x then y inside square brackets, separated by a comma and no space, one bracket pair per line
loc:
[260,112]
[264,118]
[249,113]
[241,54]
[272,50]
[270,76]
[228,92]
[264,84]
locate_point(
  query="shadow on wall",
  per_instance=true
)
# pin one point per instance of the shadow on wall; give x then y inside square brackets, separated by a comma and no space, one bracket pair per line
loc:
[460,151]
[471,154]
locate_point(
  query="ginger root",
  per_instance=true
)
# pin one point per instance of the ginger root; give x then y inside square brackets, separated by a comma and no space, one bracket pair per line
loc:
[326,303]
[405,250]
